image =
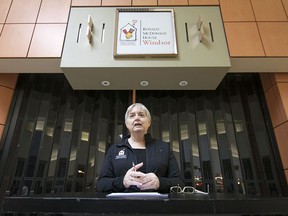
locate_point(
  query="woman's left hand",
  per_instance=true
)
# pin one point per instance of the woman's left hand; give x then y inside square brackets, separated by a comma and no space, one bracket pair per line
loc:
[150,181]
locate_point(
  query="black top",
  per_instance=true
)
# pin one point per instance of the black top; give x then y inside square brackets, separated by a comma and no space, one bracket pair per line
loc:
[141,157]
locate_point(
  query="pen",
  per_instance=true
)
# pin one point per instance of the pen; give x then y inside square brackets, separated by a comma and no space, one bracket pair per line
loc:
[133,164]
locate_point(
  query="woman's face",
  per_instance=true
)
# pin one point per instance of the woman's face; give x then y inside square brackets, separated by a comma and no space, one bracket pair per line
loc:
[137,121]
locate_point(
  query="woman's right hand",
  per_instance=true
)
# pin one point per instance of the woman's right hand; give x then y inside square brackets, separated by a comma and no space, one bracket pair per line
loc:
[134,177]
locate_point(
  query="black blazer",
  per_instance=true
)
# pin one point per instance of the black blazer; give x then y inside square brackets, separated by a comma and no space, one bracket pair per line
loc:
[120,157]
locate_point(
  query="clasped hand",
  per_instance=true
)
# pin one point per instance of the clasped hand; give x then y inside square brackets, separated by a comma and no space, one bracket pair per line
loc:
[144,181]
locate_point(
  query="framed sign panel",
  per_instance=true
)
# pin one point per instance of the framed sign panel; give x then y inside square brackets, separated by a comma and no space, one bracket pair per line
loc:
[145,33]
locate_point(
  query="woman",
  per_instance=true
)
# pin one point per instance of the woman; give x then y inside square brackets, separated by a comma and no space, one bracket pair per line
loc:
[139,162]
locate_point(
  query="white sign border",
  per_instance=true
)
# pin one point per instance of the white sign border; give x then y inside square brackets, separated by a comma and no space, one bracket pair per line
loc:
[149,53]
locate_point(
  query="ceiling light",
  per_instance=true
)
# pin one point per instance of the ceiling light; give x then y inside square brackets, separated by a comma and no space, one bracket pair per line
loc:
[183,83]
[144,83]
[105,83]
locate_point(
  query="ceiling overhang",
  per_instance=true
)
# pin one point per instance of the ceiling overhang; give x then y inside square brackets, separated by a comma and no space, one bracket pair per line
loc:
[201,61]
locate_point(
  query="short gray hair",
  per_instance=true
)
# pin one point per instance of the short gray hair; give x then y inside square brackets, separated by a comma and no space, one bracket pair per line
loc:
[141,107]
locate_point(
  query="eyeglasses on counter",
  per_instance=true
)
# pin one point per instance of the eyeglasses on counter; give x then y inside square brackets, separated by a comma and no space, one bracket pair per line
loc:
[187,190]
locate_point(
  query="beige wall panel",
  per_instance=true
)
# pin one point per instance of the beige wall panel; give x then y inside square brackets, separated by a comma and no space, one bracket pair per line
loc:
[54,11]
[172,2]
[8,80]
[283,90]
[266,81]
[275,106]
[23,11]
[144,2]
[235,10]
[1,134]
[203,2]
[275,38]
[15,40]
[6,95]
[116,2]
[86,2]
[285,3]
[272,78]
[47,40]
[4,8]
[243,39]
[281,77]
[281,134]
[269,10]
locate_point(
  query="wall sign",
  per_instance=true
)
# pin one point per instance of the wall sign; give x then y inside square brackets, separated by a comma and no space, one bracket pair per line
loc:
[144,33]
